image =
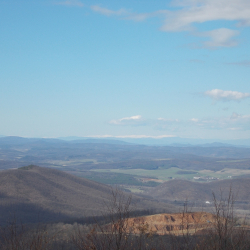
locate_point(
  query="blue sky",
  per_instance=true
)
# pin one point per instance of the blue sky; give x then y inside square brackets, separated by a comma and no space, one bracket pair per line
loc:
[125,68]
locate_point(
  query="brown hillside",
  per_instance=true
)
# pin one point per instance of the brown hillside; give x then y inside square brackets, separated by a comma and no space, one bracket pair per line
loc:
[54,194]
[186,190]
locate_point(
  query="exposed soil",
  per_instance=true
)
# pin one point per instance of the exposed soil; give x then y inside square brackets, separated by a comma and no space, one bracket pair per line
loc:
[171,223]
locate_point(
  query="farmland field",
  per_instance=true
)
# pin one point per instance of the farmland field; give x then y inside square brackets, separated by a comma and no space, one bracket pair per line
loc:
[173,173]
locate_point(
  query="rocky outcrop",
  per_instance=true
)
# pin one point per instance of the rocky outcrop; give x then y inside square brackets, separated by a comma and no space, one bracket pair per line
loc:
[170,223]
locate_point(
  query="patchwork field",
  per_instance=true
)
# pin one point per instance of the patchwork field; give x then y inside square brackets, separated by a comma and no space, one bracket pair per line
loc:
[177,173]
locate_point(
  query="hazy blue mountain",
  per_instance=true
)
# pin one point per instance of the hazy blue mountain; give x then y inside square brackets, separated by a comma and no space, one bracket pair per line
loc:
[16,140]
[173,141]
[76,139]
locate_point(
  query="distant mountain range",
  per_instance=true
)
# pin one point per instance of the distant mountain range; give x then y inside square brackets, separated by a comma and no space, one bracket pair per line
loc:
[79,155]
[172,141]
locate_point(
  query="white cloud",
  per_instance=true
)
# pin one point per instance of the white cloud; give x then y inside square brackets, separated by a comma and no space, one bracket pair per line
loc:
[136,120]
[125,14]
[221,38]
[234,129]
[135,117]
[194,120]
[233,122]
[71,3]
[188,13]
[226,95]
[168,120]
[139,17]
[200,11]
[108,12]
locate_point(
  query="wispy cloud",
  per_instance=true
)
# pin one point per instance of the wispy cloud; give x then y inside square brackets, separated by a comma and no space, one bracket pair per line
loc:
[123,13]
[245,63]
[194,120]
[221,38]
[136,120]
[188,13]
[70,3]
[158,124]
[108,12]
[226,95]
[166,121]
[233,122]
[201,11]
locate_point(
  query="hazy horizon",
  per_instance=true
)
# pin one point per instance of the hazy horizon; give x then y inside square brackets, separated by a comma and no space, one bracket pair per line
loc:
[140,140]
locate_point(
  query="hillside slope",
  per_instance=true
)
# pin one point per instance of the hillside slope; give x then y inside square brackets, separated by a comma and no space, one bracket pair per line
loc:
[181,190]
[54,195]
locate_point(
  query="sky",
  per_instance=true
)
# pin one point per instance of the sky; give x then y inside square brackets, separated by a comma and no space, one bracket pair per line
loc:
[125,69]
